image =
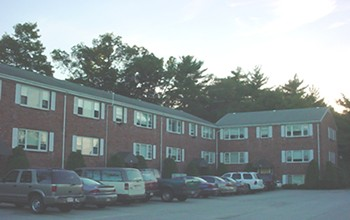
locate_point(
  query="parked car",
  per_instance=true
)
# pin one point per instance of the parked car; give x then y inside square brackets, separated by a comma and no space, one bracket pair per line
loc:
[242,188]
[42,188]
[128,182]
[250,178]
[224,187]
[97,193]
[206,189]
[269,181]
[177,188]
[151,183]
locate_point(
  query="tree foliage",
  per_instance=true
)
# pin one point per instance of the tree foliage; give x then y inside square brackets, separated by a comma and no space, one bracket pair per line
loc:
[312,176]
[75,160]
[18,159]
[169,167]
[24,49]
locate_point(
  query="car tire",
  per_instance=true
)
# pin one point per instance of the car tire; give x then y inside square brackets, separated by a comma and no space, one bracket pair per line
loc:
[167,195]
[65,207]
[37,204]
[182,198]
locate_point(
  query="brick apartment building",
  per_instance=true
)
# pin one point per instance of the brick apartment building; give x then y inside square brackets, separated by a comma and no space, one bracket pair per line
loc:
[51,118]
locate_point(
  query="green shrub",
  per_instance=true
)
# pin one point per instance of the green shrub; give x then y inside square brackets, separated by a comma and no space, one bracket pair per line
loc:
[192,168]
[222,168]
[75,160]
[141,162]
[312,176]
[17,160]
[169,167]
[330,177]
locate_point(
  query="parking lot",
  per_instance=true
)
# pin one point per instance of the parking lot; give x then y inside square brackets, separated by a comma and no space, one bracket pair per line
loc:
[279,204]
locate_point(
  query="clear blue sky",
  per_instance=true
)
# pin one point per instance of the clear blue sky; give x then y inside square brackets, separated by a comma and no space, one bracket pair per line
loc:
[310,38]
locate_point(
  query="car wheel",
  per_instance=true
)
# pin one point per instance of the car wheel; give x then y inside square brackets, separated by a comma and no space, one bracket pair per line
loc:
[65,207]
[167,195]
[37,204]
[182,198]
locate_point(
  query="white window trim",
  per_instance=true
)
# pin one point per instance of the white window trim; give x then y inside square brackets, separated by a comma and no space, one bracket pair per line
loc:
[101,108]
[50,140]
[152,119]
[51,97]
[244,154]
[284,156]
[100,145]
[178,151]
[180,126]
[211,156]
[124,118]
[258,132]
[284,131]
[245,133]
[147,147]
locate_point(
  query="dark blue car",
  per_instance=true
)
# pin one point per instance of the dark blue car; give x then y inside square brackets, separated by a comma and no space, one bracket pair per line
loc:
[205,189]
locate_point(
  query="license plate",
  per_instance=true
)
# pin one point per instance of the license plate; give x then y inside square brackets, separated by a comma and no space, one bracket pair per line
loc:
[70,199]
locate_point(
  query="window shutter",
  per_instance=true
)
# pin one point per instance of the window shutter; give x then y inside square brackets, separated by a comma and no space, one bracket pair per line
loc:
[18,94]
[53,101]
[51,141]
[202,154]
[221,134]
[283,156]
[102,111]
[167,152]
[134,148]
[183,127]
[74,143]
[154,151]
[14,137]
[246,157]
[245,133]
[257,132]
[114,115]
[283,130]
[311,155]
[195,130]
[102,144]
[221,157]
[0,88]
[125,118]
[183,154]
[310,130]
[75,108]
[154,121]
[270,131]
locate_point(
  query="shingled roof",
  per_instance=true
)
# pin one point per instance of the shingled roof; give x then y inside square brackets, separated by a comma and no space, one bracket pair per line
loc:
[288,116]
[52,83]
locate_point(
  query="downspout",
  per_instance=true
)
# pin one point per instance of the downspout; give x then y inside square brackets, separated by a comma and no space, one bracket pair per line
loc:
[161,145]
[64,130]
[318,147]
[217,149]
[106,142]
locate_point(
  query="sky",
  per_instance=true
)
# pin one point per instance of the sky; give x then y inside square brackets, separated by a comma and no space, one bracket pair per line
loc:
[310,38]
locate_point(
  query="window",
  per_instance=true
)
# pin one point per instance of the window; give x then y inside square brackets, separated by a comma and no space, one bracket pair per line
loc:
[207,132]
[31,140]
[148,151]
[26,177]
[332,134]
[234,133]
[88,145]
[177,154]
[293,179]
[234,157]
[35,97]
[264,132]
[112,175]
[143,119]
[192,129]
[88,108]
[208,156]
[11,177]
[299,130]
[331,157]
[297,156]
[174,126]
[119,114]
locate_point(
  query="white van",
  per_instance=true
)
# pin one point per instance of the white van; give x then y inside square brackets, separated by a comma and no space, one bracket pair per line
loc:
[128,182]
[247,177]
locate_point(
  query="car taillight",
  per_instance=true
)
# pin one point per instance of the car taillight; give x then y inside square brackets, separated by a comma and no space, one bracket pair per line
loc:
[95,191]
[126,186]
[53,188]
[255,182]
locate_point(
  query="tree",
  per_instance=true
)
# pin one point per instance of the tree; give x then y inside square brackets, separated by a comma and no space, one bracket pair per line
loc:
[75,160]
[141,162]
[185,85]
[24,49]
[192,168]
[115,161]
[330,177]
[18,159]
[169,167]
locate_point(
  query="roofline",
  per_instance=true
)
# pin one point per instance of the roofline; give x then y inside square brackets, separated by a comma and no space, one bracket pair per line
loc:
[108,101]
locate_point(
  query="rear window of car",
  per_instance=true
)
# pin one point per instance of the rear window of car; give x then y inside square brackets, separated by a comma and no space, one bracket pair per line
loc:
[112,176]
[133,175]
[236,176]
[65,177]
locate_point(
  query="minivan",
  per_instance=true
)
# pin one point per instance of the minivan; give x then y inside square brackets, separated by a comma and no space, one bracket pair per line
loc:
[128,182]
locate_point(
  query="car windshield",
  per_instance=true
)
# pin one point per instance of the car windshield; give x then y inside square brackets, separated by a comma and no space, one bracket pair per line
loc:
[88,181]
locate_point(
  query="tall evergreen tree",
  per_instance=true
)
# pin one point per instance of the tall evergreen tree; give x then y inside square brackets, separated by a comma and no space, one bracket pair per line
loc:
[24,49]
